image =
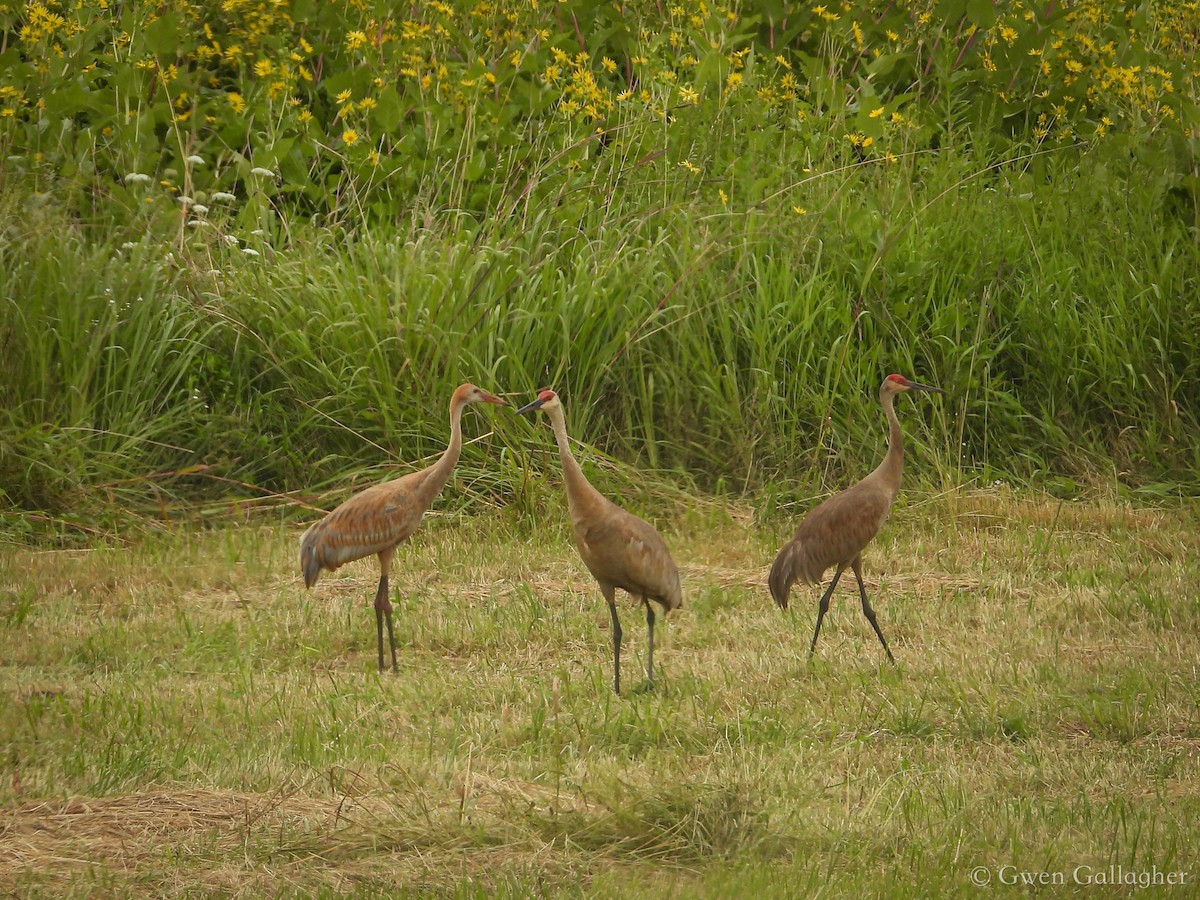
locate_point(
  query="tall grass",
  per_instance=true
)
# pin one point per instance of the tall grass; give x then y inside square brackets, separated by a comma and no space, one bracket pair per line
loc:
[733,345]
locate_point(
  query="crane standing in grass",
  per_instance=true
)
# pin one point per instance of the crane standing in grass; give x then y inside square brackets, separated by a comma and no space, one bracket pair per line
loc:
[619,549]
[375,521]
[837,531]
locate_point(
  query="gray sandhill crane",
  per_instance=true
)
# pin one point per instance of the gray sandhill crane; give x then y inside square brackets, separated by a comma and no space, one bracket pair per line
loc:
[837,531]
[375,521]
[618,548]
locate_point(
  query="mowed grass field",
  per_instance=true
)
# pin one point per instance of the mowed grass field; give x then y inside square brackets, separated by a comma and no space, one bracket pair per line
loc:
[178,716]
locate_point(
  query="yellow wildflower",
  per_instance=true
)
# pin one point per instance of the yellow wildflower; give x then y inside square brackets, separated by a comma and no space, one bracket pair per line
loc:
[349,136]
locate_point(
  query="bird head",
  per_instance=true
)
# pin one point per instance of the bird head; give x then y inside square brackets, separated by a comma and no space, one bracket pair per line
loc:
[468,393]
[546,400]
[898,384]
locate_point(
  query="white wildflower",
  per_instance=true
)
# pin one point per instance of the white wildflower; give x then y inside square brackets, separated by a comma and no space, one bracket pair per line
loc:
[223,197]
[249,252]
[199,209]
[185,200]
[137,178]
[129,245]
[230,239]
[265,173]
[196,160]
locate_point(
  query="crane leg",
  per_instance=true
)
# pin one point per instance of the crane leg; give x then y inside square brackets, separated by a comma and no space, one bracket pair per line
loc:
[868,612]
[824,608]
[650,654]
[383,610]
[609,595]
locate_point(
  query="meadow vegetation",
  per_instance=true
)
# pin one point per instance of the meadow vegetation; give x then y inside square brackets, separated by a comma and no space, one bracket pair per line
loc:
[183,717]
[248,248]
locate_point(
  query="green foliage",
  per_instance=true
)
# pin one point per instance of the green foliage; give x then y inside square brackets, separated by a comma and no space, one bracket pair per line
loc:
[488,107]
[252,247]
[182,716]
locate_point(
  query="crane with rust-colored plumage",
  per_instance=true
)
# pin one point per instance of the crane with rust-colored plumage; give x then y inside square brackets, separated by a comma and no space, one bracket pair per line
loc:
[839,529]
[377,520]
[618,548]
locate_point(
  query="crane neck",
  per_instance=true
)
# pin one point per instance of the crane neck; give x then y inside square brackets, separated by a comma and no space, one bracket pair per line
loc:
[893,463]
[579,490]
[439,472]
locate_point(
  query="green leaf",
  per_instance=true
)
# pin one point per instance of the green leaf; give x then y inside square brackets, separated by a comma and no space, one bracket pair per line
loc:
[162,35]
[389,110]
[981,12]
[476,166]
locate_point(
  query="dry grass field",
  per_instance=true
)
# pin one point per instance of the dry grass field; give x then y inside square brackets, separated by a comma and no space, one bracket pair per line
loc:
[178,716]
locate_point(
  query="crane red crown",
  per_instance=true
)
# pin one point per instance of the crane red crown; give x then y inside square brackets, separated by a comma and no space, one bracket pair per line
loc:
[546,396]
[899,379]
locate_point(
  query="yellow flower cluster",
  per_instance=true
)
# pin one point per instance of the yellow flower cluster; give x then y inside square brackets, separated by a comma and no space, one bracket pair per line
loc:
[367,79]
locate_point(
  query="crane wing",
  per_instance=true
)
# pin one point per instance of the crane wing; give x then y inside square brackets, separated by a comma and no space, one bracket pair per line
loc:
[628,552]
[370,522]
[840,528]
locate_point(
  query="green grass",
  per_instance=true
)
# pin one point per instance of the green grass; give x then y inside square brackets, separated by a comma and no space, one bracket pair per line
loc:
[731,349]
[180,716]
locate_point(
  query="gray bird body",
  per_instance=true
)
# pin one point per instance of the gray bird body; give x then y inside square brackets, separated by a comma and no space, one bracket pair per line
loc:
[375,520]
[378,519]
[618,548]
[835,534]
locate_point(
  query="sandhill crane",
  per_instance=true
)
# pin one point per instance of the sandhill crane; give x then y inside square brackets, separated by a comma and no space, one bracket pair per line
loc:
[375,521]
[837,531]
[619,549]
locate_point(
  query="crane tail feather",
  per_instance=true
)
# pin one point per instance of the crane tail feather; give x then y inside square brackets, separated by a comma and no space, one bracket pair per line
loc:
[310,565]
[783,573]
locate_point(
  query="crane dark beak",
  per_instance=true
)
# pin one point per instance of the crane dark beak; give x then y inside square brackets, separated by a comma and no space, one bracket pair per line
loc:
[917,386]
[530,407]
